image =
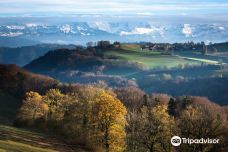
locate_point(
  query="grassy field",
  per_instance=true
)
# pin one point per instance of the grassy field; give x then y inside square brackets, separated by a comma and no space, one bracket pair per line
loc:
[14,139]
[133,53]
[21,140]
[208,58]
[201,60]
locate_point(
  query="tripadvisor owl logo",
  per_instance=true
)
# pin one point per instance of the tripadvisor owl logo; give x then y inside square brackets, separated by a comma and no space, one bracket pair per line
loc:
[176,141]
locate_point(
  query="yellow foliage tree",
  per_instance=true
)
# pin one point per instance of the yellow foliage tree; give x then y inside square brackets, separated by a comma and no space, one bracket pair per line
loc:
[57,103]
[151,129]
[32,108]
[77,118]
[109,121]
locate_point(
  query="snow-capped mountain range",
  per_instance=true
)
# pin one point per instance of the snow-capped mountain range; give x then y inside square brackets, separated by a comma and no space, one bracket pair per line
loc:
[82,32]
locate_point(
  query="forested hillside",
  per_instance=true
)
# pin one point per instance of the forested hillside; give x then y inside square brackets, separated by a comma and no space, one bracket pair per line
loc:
[99,118]
[179,72]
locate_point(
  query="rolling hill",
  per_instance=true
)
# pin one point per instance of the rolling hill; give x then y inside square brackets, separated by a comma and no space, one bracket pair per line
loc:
[14,83]
[128,65]
[17,81]
[24,55]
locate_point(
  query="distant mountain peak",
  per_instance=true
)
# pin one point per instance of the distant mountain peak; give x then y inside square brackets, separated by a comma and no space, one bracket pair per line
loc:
[82,32]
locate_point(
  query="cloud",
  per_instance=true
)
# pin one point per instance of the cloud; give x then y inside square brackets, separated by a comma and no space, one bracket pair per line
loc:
[143,7]
[66,29]
[221,28]
[101,26]
[141,31]
[145,13]
[31,25]
[187,30]
[15,27]
[11,34]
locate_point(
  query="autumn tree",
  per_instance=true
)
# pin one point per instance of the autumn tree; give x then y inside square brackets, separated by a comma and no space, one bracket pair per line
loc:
[109,122]
[57,103]
[159,98]
[198,122]
[151,129]
[132,97]
[96,118]
[32,108]
[77,119]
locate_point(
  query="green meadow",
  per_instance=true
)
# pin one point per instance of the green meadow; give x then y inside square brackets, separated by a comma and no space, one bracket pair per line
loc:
[150,59]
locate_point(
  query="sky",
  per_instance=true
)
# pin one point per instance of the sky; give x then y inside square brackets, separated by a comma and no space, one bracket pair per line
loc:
[114,7]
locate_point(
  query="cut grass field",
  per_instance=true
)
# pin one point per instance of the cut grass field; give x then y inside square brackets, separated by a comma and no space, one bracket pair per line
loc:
[150,59]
